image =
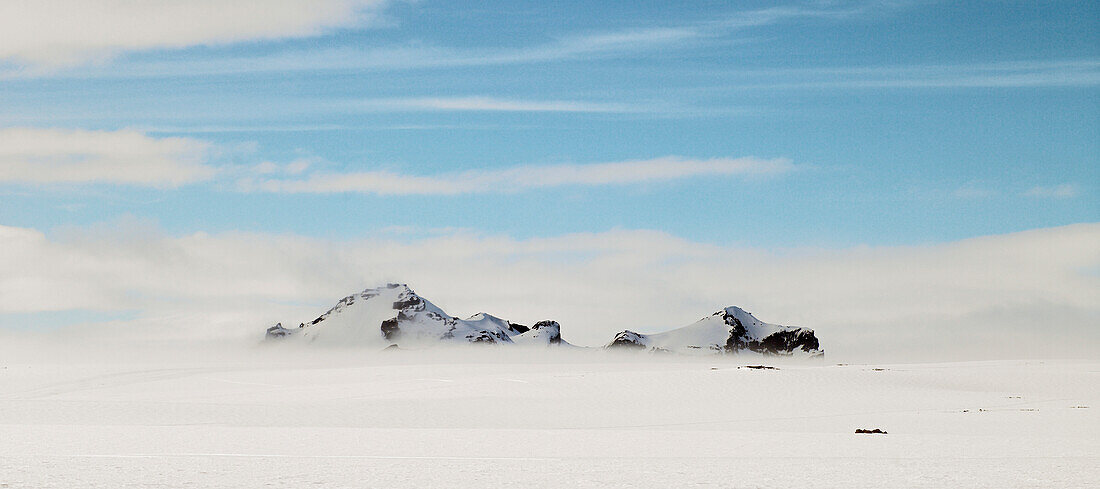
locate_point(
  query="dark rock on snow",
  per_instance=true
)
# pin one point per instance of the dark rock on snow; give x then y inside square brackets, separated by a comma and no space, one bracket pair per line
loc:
[870,432]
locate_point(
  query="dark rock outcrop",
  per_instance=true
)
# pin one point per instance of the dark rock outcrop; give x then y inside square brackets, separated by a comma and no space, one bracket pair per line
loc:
[390,330]
[628,340]
[788,341]
[875,431]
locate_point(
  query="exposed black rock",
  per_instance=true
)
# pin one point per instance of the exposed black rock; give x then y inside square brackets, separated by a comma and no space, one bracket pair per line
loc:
[390,329]
[518,328]
[760,367]
[484,337]
[736,341]
[439,317]
[778,343]
[409,302]
[871,432]
[785,342]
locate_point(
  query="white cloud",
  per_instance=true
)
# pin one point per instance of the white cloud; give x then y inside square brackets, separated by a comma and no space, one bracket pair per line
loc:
[31,155]
[518,178]
[1064,191]
[613,40]
[53,156]
[417,55]
[1019,295]
[774,15]
[63,32]
[396,57]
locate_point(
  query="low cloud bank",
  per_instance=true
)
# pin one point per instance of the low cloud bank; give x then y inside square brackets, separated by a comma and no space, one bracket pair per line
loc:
[1022,295]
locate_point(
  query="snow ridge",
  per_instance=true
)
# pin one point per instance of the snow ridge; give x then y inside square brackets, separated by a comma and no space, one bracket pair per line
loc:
[730,330]
[395,315]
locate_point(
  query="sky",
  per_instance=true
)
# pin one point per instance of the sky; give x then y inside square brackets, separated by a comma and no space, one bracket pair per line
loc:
[698,154]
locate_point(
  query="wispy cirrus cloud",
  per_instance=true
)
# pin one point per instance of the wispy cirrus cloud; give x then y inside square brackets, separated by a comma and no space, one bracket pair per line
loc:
[486,104]
[517,178]
[411,55]
[47,156]
[1013,74]
[1063,191]
[408,56]
[52,33]
[783,13]
[129,157]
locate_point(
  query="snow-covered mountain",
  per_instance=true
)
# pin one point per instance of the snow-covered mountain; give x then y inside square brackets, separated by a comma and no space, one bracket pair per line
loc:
[730,330]
[395,315]
[543,333]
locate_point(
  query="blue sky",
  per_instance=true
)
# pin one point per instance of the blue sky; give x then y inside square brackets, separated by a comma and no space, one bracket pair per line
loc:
[902,176]
[903,122]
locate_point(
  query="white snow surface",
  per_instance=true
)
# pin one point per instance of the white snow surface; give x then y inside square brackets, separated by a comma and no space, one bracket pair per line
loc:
[284,416]
[483,320]
[356,319]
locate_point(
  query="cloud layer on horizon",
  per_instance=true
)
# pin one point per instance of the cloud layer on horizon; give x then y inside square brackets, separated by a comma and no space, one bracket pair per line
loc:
[1008,296]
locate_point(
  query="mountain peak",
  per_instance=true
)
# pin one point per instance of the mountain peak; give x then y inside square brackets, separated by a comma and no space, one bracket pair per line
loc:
[542,333]
[395,315]
[729,330]
[734,310]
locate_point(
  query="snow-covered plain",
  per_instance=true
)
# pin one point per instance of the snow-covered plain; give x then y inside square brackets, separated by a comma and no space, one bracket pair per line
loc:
[280,416]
